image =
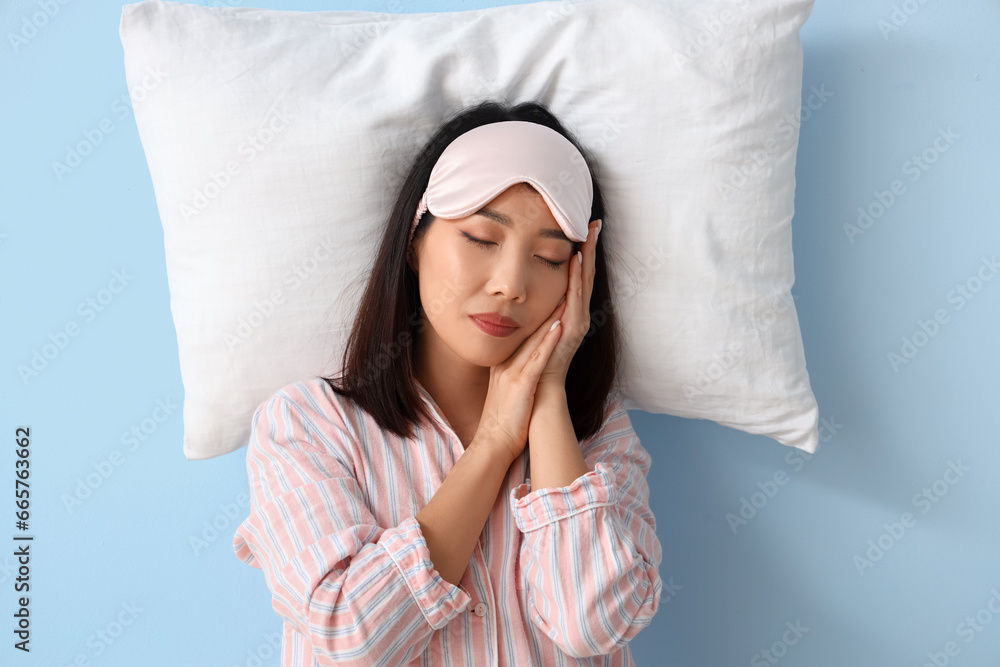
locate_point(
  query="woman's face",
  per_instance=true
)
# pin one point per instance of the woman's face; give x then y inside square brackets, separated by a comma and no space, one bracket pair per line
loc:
[522,272]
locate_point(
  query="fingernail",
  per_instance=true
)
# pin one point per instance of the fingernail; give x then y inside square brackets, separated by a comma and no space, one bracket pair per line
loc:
[554,325]
[561,300]
[600,223]
[579,256]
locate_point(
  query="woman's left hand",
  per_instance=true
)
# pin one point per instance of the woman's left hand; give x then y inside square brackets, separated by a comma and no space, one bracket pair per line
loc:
[575,319]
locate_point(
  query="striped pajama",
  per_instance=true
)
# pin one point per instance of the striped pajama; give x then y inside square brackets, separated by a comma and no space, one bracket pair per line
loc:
[560,576]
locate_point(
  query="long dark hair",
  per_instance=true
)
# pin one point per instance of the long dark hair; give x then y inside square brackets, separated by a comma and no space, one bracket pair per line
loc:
[377,368]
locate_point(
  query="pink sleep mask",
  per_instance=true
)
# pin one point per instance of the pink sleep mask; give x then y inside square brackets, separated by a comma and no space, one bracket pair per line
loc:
[485,161]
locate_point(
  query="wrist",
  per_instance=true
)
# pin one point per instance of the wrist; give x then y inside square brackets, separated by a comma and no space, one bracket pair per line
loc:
[499,453]
[547,392]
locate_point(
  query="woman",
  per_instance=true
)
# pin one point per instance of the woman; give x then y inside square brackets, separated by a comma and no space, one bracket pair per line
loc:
[468,493]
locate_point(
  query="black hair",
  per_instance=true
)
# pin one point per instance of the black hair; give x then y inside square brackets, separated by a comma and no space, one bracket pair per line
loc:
[377,369]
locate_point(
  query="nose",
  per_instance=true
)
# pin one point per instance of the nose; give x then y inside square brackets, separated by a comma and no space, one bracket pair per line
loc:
[508,276]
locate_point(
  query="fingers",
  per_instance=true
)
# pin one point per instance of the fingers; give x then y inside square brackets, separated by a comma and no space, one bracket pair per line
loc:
[580,288]
[539,357]
[538,338]
[586,258]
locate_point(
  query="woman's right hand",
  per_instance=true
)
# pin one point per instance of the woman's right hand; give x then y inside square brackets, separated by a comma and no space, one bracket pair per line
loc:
[511,395]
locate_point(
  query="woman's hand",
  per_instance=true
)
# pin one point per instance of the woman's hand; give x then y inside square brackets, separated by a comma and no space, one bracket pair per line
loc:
[575,313]
[511,394]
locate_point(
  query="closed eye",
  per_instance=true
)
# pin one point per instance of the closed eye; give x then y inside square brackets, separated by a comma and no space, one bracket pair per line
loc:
[485,244]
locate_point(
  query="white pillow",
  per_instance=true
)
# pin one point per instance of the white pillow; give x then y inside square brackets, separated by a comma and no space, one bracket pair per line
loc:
[276,142]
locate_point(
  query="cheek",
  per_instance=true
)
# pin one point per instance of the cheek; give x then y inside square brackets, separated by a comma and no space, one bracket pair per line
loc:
[553,288]
[445,280]
[546,293]
[452,257]
[460,267]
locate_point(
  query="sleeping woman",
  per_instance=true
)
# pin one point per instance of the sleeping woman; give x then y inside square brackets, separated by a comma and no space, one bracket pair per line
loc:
[469,489]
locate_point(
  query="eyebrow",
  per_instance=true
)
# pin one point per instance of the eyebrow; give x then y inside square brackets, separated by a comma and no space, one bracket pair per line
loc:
[497,216]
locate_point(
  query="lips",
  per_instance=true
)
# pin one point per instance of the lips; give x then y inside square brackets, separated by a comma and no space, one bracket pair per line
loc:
[496,318]
[492,329]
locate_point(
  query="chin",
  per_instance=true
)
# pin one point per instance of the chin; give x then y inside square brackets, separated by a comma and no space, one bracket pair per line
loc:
[489,358]
[490,353]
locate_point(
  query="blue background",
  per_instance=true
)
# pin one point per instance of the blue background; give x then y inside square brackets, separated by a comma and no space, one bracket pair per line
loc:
[124,554]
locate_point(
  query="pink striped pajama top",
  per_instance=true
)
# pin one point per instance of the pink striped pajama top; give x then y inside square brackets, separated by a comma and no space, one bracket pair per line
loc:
[560,576]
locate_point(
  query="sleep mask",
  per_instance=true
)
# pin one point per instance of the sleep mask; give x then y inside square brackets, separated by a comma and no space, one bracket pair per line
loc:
[485,161]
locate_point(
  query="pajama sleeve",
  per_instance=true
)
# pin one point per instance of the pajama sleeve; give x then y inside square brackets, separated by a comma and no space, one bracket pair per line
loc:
[360,593]
[589,555]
